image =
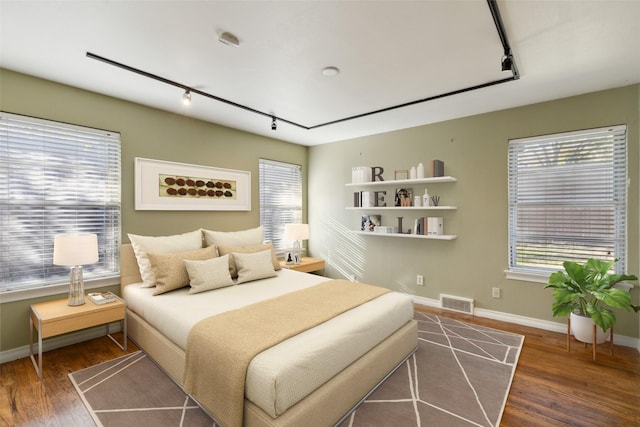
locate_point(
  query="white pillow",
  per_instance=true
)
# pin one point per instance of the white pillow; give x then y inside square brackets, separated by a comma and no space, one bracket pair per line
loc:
[161,245]
[253,236]
[253,266]
[208,274]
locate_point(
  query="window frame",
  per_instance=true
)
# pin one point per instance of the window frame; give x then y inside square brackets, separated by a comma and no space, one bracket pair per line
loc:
[97,157]
[618,202]
[290,213]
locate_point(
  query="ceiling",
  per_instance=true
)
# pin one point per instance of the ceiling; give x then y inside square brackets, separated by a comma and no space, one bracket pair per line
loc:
[389,53]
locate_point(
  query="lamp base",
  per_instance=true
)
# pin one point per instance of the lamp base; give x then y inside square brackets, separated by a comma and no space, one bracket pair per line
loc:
[297,252]
[76,286]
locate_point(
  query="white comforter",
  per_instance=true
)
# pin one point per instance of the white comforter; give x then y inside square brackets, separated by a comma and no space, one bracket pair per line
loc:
[282,375]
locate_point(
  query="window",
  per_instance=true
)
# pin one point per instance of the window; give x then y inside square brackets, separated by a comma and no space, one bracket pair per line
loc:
[56,179]
[280,199]
[567,199]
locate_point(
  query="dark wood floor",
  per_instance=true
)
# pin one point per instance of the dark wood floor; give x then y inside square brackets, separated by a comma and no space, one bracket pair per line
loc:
[551,387]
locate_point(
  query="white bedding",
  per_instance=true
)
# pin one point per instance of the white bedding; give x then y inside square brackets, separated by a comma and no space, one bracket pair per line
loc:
[282,375]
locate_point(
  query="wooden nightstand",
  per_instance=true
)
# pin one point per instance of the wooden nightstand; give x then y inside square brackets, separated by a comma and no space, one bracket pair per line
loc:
[307,265]
[56,317]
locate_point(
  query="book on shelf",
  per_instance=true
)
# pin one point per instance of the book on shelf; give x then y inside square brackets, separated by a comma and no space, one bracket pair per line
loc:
[101,297]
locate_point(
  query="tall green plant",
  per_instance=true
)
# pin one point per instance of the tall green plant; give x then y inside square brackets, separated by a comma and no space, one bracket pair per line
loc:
[587,289]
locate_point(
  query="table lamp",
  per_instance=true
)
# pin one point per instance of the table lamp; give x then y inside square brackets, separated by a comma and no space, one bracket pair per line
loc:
[75,251]
[296,233]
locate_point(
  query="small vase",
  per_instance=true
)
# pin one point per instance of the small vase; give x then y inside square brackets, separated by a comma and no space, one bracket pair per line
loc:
[420,171]
[399,224]
[412,173]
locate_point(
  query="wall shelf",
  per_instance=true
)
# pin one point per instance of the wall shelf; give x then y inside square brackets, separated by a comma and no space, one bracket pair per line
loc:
[405,208]
[433,180]
[409,236]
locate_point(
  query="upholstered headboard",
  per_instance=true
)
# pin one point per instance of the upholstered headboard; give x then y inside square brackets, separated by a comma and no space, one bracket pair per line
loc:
[129,271]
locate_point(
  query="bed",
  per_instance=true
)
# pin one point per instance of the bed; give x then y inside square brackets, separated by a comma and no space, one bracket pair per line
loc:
[158,325]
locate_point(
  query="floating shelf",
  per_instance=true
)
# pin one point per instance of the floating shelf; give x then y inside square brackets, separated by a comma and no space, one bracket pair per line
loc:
[432,180]
[405,208]
[410,236]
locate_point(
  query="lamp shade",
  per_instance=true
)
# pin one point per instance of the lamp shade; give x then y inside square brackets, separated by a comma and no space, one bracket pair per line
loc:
[296,231]
[76,249]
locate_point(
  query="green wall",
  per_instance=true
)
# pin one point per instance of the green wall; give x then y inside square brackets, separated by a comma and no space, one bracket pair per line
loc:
[474,150]
[149,133]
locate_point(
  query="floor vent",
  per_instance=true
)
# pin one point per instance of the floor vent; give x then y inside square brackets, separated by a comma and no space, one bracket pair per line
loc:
[459,304]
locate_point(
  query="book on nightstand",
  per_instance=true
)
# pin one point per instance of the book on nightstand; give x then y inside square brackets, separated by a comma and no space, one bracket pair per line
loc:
[101,297]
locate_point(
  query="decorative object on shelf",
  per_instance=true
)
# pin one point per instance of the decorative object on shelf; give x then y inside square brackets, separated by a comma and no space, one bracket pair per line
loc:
[403,196]
[369,222]
[364,199]
[400,224]
[437,168]
[425,198]
[75,251]
[385,229]
[400,174]
[435,226]
[589,290]
[376,172]
[361,174]
[420,171]
[417,201]
[412,173]
[436,200]
[296,233]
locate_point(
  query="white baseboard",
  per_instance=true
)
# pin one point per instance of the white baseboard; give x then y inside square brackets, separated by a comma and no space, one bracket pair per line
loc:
[59,341]
[528,321]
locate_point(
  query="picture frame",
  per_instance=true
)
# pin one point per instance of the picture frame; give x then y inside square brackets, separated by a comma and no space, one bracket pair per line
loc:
[164,185]
[289,257]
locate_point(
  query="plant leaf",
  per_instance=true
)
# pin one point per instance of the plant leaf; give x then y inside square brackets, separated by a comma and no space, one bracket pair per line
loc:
[602,317]
[614,298]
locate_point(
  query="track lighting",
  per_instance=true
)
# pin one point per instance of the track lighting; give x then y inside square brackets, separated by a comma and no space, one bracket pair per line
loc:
[186,98]
[507,63]
[274,125]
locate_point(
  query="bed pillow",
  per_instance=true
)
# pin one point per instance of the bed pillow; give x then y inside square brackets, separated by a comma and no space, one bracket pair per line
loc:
[208,274]
[224,250]
[253,236]
[161,244]
[170,271]
[254,265]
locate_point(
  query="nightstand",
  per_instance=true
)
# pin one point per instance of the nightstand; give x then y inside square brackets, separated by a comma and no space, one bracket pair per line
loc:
[53,318]
[307,265]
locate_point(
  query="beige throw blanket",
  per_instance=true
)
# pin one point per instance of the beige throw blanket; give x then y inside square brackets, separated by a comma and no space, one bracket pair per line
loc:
[220,348]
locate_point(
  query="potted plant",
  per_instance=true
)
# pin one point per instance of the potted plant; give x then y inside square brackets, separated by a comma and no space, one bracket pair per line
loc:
[588,292]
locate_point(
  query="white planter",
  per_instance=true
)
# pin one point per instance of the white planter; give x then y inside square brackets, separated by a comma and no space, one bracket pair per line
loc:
[582,329]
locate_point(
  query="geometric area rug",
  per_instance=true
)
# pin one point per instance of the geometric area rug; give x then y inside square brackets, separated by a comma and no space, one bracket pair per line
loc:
[459,376]
[133,391]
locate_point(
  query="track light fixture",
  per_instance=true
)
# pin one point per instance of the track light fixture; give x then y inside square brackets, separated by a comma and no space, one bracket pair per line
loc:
[274,125]
[186,98]
[507,63]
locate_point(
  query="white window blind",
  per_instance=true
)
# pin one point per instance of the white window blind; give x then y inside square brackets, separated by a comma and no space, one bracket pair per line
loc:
[56,179]
[567,199]
[280,199]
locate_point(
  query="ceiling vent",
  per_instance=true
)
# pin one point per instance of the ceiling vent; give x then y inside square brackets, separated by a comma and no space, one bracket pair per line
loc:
[459,304]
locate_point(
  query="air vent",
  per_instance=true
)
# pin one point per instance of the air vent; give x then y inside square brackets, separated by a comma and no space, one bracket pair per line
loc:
[459,304]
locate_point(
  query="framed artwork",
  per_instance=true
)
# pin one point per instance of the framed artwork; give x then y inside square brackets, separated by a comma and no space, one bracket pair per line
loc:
[162,185]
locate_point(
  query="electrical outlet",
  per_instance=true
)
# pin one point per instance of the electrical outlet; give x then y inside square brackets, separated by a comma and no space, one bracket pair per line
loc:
[420,280]
[495,292]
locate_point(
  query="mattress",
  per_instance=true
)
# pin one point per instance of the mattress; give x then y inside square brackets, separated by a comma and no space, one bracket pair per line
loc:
[284,374]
